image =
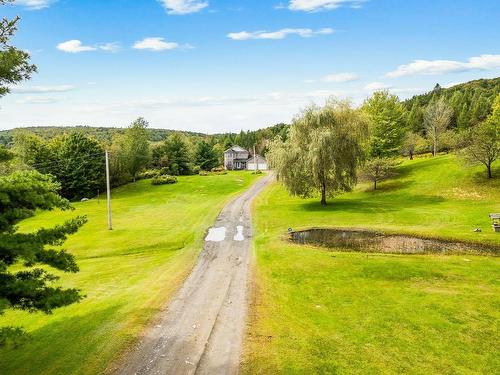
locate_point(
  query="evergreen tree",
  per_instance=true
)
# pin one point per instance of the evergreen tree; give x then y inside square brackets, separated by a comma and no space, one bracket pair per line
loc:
[14,63]
[205,156]
[21,194]
[177,155]
[81,168]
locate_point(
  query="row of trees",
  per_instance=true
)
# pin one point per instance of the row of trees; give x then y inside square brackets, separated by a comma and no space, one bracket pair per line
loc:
[76,160]
[328,147]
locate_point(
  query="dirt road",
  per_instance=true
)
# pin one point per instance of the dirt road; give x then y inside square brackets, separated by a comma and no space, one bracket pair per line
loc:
[202,330]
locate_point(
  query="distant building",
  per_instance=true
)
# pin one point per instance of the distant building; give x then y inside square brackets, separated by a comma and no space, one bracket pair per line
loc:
[237,158]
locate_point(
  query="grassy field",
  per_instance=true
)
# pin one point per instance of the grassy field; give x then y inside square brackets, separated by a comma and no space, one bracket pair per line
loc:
[323,312]
[127,274]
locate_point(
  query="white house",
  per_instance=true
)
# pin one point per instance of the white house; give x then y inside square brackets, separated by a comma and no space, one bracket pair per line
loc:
[237,158]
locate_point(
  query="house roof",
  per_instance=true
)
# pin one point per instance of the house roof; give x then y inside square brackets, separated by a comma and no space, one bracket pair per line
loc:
[260,159]
[236,148]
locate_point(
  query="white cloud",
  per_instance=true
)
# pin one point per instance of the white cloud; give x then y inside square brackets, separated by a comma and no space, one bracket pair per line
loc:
[434,67]
[41,89]
[35,4]
[155,44]
[183,6]
[376,86]
[74,46]
[37,100]
[340,77]
[320,5]
[280,34]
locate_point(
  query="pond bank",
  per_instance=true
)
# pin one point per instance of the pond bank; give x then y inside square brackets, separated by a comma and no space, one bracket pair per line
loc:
[376,242]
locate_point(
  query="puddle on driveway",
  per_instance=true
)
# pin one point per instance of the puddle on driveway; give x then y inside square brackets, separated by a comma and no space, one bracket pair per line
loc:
[239,234]
[216,234]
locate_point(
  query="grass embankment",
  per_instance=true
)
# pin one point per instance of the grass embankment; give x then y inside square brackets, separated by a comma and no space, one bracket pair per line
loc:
[320,311]
[127,274]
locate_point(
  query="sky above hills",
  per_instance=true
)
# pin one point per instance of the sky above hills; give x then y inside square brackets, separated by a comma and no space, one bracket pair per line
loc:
[226,65]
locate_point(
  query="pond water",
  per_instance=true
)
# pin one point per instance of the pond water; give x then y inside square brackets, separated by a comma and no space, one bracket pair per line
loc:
[370,241]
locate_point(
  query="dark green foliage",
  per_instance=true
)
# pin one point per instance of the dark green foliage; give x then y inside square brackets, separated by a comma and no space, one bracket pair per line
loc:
[173,155]
[164,180]
[5,154]
[21,194]
[30,289]
[103,134]
[14,63]
[80,168]
[76,160]
[205,156]
[471,103]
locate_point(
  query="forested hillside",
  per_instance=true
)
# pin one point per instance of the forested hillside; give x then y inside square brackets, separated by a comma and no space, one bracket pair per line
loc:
[102,134]
[471,103]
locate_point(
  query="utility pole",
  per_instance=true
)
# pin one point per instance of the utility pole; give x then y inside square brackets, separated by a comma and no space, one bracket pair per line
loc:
[108,188]
[255,162]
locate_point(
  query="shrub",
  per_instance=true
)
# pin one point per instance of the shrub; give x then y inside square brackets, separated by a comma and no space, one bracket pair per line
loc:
[213,173]
[164,180]
[218,169]
[150,173]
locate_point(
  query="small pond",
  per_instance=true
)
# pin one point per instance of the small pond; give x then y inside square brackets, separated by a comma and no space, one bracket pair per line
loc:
[370,241]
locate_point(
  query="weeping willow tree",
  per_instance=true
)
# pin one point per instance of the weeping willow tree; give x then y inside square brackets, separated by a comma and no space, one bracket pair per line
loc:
[323,151]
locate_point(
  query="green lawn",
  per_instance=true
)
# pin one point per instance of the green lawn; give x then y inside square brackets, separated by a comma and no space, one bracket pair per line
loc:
[127,274]
[320,311]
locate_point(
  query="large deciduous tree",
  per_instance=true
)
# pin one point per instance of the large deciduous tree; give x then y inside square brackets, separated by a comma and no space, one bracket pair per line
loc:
[437,117]
[136,147]
[484,140]
[323,151]
[388,119]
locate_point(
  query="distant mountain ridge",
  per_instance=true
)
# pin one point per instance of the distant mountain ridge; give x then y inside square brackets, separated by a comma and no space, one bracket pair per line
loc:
[471,103]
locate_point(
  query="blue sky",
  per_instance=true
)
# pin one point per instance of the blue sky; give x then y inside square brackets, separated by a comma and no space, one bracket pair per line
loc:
[220,65]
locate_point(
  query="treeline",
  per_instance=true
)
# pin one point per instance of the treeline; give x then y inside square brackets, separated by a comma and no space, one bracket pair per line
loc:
[328,148]
[76,157]
[103,134]
[469,102]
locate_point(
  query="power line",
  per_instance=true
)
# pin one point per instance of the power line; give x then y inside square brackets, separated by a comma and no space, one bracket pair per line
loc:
[58,162]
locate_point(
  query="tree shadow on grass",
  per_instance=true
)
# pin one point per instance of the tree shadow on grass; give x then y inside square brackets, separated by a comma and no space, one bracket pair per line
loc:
[373,204]
[390,185]
[68,345]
